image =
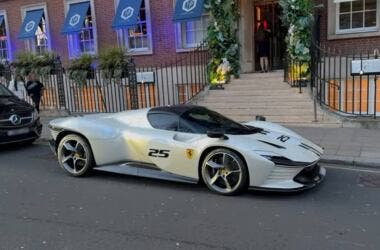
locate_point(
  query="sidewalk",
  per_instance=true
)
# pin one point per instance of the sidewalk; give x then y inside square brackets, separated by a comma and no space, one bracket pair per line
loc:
[356,147]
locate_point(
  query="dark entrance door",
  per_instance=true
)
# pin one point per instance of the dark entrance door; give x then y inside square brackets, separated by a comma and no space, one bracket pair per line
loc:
[268,15]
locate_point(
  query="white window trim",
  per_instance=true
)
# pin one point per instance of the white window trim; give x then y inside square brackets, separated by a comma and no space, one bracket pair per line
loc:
[146,51]
[38,6]
[9,47]
[355,30]
[66,4]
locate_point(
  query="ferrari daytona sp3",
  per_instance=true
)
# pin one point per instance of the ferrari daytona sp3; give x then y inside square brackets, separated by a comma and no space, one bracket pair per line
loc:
[190,144]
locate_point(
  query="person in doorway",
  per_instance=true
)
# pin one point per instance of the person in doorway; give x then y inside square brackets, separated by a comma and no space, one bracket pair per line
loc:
[34,88]
[17,87]
[262,39]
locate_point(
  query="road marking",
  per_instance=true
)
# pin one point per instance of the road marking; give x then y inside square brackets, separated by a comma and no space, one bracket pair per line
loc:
[356,169]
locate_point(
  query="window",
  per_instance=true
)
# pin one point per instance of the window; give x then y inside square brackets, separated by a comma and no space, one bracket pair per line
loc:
[164,121]
[357,16]
[38,42]
[4,39]
[191,34]
[83,41]
[137,39]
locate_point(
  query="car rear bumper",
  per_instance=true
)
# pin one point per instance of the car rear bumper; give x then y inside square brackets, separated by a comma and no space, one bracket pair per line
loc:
[308,178]
[33,132]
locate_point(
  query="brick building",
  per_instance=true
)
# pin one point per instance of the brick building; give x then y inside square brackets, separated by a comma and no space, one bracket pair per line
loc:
[156,38]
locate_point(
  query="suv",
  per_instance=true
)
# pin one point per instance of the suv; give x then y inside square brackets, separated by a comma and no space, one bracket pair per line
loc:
[19,121]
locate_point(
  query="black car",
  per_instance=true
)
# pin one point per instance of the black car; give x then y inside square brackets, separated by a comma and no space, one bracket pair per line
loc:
[19,121]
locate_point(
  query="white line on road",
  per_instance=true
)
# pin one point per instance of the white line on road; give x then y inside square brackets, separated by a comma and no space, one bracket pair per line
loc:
[350,168]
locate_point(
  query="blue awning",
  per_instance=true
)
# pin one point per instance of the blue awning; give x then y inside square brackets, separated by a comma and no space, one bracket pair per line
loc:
[187,10]
[127,13]
[75,17]
[30,24]
[1,19]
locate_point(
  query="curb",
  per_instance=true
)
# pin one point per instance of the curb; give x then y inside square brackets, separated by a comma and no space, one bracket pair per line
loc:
[351,161]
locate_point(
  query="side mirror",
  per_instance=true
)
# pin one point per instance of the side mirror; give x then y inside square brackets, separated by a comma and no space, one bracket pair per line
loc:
[261,118]
[217,135]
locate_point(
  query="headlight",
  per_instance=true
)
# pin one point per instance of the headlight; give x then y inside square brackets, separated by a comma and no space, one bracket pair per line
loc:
[35,115]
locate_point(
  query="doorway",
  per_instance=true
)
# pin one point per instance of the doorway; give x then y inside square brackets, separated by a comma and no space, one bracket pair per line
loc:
[268,14]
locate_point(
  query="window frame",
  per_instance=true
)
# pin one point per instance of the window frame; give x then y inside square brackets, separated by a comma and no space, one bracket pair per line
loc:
[164,113]
[122,34]
[8,39]
[67,4]
[179,37]
[30,44]
[339,31]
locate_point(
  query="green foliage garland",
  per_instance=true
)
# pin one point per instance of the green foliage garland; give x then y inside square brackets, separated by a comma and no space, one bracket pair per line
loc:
[28,62]
[80,69]
[297,15]
[222,37]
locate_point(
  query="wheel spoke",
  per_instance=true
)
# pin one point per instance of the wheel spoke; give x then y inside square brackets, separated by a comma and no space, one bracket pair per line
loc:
[215,178]
[76,146]
[214,165]
[228,185]
[69,147]
[233,172]
[75,166]
[67,158]
[224,159]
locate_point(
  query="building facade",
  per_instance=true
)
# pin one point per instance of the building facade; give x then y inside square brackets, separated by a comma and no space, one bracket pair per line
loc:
[155,38]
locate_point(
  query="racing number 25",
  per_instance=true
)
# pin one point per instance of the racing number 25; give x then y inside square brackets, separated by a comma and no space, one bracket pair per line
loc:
[159,153]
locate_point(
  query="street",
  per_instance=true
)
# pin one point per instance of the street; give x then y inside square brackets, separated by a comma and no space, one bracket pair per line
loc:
[43,208]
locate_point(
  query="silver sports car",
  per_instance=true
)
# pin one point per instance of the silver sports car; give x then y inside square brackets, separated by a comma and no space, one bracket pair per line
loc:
[190,144]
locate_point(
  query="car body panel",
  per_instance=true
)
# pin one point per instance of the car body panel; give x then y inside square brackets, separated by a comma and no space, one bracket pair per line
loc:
[129,137]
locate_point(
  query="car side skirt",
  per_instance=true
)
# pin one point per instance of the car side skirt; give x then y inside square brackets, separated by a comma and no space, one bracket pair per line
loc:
[142,170]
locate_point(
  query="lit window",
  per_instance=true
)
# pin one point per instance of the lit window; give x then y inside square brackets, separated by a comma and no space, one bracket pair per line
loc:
[191,34]
[4,47]
[83,41]
[357,16]
[137,39]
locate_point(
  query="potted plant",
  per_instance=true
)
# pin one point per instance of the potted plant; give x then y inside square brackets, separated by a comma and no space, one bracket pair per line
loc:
[28,62]
[113,62]
[81,69]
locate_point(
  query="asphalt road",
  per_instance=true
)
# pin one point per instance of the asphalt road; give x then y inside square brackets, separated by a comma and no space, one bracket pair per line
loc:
[43,208]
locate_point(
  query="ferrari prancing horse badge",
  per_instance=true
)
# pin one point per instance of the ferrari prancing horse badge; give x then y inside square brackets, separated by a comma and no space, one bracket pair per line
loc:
[189,153]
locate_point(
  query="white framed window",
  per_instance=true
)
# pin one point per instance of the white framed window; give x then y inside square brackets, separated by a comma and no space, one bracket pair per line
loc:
[137,39]
[84,41]
[356,16]
[5,51]
[40,43]
[192,33]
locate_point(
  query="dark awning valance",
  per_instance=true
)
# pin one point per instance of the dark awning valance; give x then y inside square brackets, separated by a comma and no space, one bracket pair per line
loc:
[127,13]
[30,24]
[187,10]
[75,17]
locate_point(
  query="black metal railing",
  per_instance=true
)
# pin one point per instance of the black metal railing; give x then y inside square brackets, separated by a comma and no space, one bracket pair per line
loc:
[296,73]
[337,89]
[175,82]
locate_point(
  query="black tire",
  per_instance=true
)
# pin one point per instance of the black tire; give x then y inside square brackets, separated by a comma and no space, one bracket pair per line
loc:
[224,172]
[75,155]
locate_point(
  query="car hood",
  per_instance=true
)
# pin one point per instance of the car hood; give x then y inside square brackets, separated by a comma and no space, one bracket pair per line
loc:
[13,105]
[280,141]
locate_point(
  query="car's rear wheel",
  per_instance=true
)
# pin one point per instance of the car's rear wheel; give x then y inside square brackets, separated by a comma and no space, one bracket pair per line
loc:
[224,172]
[75,155]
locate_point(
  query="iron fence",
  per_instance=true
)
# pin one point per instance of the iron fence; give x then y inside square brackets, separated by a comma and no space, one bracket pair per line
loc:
[176,82]
[338,89]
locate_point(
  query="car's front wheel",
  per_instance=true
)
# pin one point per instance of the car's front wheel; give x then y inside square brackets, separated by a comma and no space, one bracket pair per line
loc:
[224,172]
[75,155]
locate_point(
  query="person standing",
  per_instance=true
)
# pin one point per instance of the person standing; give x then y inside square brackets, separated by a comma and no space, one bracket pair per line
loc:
[262,39]
[17,87]
[34,88]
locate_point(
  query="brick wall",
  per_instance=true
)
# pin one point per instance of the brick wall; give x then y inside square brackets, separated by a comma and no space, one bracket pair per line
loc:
[345,46]
[163,35]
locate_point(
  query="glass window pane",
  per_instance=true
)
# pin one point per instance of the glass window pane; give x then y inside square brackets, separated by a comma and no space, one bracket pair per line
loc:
[345,7]
[344,21]
[357,5]
[357,20]
[370,19]
[370,4]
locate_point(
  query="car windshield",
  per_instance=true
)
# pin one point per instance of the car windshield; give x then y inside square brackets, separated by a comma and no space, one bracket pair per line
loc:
[203,120]
[4,92]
